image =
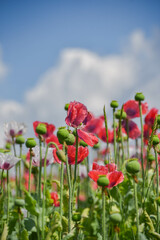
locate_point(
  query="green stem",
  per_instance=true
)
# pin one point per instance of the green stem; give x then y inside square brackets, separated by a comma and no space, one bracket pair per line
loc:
[136,145]
[103,216]
[106,126]
[127,123]
[75,167]
[70,197]
[142,162]
[14,150]
[8,195]
[40,171]
[2,181]
[157,187]
[30,170]
[136,207]
[20,180]
[114,129]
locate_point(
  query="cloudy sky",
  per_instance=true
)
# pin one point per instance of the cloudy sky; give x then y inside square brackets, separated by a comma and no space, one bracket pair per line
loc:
[53,52]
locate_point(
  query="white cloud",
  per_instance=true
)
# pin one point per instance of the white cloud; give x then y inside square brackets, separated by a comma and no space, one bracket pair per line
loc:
[3,67]
[94,80]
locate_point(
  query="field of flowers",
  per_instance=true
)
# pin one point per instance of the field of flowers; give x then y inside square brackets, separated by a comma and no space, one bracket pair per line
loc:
[83,181]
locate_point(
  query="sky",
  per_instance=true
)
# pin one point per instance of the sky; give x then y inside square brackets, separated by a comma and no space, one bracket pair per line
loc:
[53,52]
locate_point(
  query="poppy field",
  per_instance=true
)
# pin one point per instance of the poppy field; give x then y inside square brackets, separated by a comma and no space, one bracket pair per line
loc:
[87,180]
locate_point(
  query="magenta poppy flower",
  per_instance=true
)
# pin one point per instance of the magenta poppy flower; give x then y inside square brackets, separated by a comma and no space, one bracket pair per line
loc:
[82,154]
[150,117]
[131,108]
[134,131]
[8,161]
[50,128]
[102,135]
[77,117]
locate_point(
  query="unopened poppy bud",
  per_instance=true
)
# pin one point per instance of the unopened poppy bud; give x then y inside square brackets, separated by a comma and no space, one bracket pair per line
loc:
[133,166]
[103,181]
[19,202]
[30,143]
[62,134]
[61,155]
[116,218]
[158,201]
[155,140]
[66,106]
[97,146]
[114,104]
[139,97]
[70,140]
[76,217]
[8,146]
[20,140]
[83,144]
[4,175]
[41,129]
[118,114]
[158,119]
[150,158]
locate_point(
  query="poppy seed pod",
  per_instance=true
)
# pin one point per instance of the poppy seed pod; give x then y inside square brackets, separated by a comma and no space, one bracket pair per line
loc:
[116,218]
[139,97]
[118,114]
[19,202]
[66,106]
[62,134]
[133,166]
[114,104]
[41,129]
[61,155]
[150,158]
[8,146]
[20,140]
[76,217]
[30,143]
[103,181]
[155,140]
[70,140]
[97,146]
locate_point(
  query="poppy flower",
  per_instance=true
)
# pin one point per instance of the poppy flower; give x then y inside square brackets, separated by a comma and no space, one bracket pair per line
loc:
[52,138]
[114,176]
[14,129]
[54,197]
[150,117]
[147,130]
[77,117]
[134,131]
[8,161]
[131,108]
[55,154]
[94,125]
[36,157]
[50,128]
[102,135]
[82,154]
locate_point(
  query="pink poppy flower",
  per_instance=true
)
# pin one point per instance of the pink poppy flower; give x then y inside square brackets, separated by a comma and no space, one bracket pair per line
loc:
[131,108]
[50,128]
[150,117]
[134,131]
[82,154]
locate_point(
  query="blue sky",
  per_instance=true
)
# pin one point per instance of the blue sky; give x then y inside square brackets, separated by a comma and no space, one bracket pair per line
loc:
[53,52]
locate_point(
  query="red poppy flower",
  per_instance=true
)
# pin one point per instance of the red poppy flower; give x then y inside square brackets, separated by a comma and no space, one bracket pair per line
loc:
[150,117]
[88,138]
[131,107]
[55,154]
[82,154]
[52,138]
[50,129]
[102,135]
[147,130]
[94,125]
[54,197]
[134,131]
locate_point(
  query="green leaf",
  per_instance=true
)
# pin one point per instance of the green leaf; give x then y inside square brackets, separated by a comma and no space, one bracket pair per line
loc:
[99,236]
[70,235]
[5,232]
[31,204]
[29,224]
[24,235]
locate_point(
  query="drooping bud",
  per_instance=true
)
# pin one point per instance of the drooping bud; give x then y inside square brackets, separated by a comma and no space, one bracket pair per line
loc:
[30,143]
[76,217]
[158,119]
[41,129]
[62,134]
[150,158]
[61,155]
[66,106]
[116,218]
[103,181]
[20,139]
[70,140]
[155,140]
[83,144]
[8,146]
[114,104]
[97,146]
[133,166]
[139,97]
[118,114]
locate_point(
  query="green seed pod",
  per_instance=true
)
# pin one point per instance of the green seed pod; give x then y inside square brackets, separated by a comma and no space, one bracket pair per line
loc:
[66,106]
[158,201]
[20,140]
[83,144]
[19,202]
[118,114]
[8,146]
[150,158]
[30,143]
[4,174]
[133,166]
[103,181]
[114,104]
[70,140]
[62,134]
[139,97]
[41,129]
[158,119]
[61,155]
[155,140]
[116,218]
[76,217]
[97,146]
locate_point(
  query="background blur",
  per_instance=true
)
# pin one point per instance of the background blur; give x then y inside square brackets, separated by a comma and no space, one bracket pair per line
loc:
[53,52]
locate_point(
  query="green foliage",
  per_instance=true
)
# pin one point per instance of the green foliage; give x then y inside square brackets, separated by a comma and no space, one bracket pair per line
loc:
[31,204]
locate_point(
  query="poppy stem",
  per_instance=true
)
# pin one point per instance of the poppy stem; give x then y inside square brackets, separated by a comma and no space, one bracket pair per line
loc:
[40,171]
[30,170]
[75,167]
[136,207]
[103,215]
[127,123]
[106,126]
[70,196]
[114,130]
[20,180]
[14,150]
[2,181]
[157,187]
[8,194]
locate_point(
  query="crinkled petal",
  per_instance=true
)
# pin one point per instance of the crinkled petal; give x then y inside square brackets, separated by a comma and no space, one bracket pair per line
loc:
[88,138]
